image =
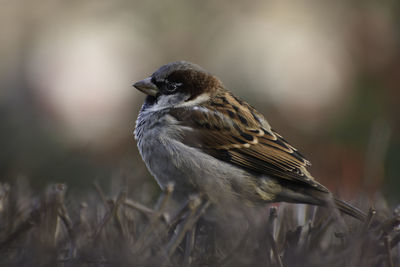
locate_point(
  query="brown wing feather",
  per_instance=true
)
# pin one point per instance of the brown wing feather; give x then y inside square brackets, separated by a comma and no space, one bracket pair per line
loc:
[256,147]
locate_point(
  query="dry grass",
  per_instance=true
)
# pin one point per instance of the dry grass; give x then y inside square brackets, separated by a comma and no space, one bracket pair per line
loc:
[48,230]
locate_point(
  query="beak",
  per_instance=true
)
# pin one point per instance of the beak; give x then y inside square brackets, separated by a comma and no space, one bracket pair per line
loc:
[147,87]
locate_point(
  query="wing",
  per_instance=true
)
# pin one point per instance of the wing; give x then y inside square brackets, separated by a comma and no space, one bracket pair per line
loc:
[242,137]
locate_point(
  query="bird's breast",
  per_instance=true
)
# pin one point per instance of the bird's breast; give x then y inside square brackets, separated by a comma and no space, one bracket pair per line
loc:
[156,134]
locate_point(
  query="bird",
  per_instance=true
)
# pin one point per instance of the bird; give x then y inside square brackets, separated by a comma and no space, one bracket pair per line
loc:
[193,132]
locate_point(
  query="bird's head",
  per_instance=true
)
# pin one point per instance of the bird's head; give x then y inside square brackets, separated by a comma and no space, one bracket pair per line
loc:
[179,83]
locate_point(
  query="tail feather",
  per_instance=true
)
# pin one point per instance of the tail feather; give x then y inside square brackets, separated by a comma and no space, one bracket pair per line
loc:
[295,194]
[350,210]
[316,197]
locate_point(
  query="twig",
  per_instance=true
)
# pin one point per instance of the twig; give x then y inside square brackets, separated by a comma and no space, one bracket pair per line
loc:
[395,240]
[388,251]
[190,239]
[137,206]
[109,214]
[179,215]
[102,195]
[120,200]
[188,224]
[389,225]
[63,214]
[270,226]
[165,197]
[370,216]
[154,220]
[25,226]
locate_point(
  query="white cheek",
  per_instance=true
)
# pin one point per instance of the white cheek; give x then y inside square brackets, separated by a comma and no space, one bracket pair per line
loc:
[177,100]
[167,101]
[198,100]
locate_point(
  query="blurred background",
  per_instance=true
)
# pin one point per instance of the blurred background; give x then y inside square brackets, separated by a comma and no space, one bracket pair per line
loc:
[326,74]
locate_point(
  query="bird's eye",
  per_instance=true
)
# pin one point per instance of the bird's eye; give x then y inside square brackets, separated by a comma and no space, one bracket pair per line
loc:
[166,86]
[172,86]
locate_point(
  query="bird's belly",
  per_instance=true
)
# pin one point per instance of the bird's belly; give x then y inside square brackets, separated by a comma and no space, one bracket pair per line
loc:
[162,158]
[159,160]
[190,169]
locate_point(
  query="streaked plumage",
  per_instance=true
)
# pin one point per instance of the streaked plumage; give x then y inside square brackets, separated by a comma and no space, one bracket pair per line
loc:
[194,132]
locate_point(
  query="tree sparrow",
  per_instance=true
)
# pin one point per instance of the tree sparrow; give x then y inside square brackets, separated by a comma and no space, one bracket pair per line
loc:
[195,133]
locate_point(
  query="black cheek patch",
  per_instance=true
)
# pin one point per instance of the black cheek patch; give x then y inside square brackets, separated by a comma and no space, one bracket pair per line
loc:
[150,100]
